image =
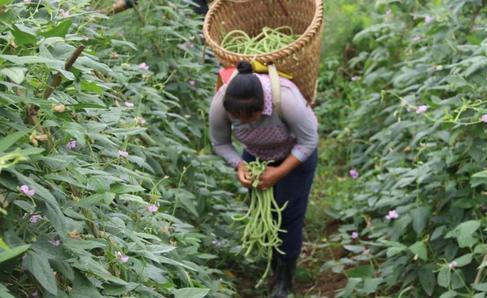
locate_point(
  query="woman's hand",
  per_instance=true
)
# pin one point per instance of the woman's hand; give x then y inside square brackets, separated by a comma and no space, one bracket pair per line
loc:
[244,175]
[270,177]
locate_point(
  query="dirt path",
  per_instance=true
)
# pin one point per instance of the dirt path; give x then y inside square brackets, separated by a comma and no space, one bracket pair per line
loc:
[310,282]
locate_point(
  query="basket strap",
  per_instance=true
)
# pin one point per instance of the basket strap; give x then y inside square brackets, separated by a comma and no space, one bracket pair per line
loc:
[276,88]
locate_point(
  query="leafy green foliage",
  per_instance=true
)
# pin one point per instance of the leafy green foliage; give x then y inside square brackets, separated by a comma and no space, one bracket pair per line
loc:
[107,185]
[415,132]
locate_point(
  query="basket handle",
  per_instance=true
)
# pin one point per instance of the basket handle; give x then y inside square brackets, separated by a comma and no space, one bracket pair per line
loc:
[283,7]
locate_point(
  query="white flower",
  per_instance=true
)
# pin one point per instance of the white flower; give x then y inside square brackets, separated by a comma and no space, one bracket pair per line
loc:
[122,153]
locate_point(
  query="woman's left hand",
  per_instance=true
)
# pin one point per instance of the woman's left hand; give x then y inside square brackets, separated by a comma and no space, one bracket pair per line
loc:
[270,177]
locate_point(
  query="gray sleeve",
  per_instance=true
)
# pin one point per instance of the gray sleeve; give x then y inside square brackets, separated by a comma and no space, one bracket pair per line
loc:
[301,120]
[221,131]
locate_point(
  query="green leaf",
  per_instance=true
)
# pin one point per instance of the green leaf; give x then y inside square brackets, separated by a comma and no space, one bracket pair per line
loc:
[371,285]
[13,252]
[480,287]
[3,290]
[463,260]
[11,139]
[82,287]
[349,289]
[4,2]
[57,161]
[26,206]
[91,87]
[354,248]
[175,263]
[449,294]
[395,248]
[87,264]
[478,178]
[16,74]
[191,292]
[361,271]
[21,60]
[23,35]
[419,249]
[427,278]
[42,271]
[420,217]
[60,30]
[118,290]
[443,277]
[463,232]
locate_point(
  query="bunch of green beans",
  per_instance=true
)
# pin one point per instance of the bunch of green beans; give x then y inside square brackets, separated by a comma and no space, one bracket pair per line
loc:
[261,230]
[268,40]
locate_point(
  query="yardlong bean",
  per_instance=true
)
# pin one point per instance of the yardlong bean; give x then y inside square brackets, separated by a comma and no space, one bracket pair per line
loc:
[261,232]
[268,40]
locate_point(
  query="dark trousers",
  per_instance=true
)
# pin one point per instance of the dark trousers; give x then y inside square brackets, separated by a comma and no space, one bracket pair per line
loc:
[295,189]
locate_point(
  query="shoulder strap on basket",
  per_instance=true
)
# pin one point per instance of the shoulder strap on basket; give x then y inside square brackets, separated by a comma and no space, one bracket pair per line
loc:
[276,88]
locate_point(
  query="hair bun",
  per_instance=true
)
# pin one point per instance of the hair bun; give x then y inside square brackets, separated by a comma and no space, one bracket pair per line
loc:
[244,67]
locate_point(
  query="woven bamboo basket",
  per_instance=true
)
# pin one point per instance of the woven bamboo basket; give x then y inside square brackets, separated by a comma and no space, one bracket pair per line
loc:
[300,58]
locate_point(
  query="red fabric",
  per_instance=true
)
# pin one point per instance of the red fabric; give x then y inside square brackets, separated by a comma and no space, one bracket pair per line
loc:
[226,74]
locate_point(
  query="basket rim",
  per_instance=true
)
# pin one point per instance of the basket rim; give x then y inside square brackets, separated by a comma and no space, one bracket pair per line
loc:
[312,30]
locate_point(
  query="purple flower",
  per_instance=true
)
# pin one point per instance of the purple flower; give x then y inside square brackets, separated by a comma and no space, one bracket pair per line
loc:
[71,144]
[389,13]
[128,104]
[141,120]
[55,242]
[353,173]
[121,257]
[484,118]
[64,13]
[34,218]
[428,19]
[152,208]
[122,153]
[27,191]
[421,109]
[416,38]
[192,82]
[143,66]
[354,235]
[355,78]
[392,215]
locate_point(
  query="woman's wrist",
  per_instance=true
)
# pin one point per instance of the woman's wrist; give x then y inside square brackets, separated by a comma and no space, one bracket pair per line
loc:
[238,164]
[289,164]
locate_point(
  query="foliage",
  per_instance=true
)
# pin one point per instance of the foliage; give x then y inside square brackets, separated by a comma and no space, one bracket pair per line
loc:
[107,188]
[417,138]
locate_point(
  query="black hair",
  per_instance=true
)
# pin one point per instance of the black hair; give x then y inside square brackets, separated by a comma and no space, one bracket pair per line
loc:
[244,95]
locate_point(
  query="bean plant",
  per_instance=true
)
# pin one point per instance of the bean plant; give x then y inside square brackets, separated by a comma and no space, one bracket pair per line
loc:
[107,184]
[416,143]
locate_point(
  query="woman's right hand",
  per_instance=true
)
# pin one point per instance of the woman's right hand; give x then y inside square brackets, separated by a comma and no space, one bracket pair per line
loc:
[244,175]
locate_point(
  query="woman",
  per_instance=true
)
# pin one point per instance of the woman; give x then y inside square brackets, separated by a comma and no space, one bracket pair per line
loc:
[286,135]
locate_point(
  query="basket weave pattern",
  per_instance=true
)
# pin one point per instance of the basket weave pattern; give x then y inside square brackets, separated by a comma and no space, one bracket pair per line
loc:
[300,58]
